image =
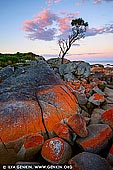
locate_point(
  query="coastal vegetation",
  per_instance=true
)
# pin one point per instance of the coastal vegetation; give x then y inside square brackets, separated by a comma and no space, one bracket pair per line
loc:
[11,59]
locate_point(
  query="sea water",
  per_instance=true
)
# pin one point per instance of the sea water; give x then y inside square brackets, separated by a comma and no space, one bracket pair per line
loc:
[104,63]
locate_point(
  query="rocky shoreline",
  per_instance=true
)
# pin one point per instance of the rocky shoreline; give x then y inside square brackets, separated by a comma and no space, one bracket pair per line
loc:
[57,114]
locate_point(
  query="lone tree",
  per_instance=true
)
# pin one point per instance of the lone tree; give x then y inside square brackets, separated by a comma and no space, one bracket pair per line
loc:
[78,31]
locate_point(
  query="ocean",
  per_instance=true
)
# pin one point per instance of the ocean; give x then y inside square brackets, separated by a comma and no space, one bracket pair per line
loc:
[104,63]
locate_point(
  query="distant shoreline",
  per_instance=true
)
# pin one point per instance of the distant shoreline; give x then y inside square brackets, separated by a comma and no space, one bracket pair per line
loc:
[104,63]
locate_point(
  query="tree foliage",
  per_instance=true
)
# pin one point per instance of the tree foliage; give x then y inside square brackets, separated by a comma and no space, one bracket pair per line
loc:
[79,27]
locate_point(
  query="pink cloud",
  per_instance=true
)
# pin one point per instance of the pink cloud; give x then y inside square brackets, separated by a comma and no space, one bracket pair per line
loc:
[47,21]
[73,14]
[27,25]
[45,18]
[40,26]
[100,30]
[63,12]
[64,24]
[47,26]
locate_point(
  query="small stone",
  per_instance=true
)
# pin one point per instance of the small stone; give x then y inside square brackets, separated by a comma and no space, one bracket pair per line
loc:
[85,114]
[31,146]
[78,125]
[56,150]
[97,90]
[89,161]
[97,99]
[96,116]
[97,139]
[109,100]
[108,92]
[107,117]
[62,131]
[82,100]
[107,106]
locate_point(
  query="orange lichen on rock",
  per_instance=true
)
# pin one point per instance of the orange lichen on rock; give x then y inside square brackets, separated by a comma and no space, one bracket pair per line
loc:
[76,85]
[72,85]
[20,118]
[32,144]
[87,86]
[74,165]
[107,117]
[25,118]
[97,142]
[78,125]
[97,69]
[61,130]
[110,156]
[55,150]
[58,103]
[98,96]
[33,140]
[111,150]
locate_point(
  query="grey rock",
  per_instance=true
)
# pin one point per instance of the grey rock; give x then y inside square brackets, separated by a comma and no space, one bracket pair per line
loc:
[108,92]
[97,139]
[73,70]
[96,116]
[6,72]
[107,106]
[82,100]
[89,161]
[97,90]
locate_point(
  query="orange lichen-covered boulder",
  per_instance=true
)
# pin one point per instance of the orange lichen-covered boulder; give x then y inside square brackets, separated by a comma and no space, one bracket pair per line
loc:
[32,144]
[97,139]
[89,161]
[32,100]
[78,125]
[107,117]
[97,99]
[56,150]
[61,130]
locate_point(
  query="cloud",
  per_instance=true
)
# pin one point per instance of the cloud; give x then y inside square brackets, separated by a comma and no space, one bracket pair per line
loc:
[47,25]
[81,2]
[57,1]
[77,45]
[45,18]
[51,2]
[40,27]
[100,1]
[100,30]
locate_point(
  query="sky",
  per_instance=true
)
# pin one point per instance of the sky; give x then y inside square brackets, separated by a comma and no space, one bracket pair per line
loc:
[37,25]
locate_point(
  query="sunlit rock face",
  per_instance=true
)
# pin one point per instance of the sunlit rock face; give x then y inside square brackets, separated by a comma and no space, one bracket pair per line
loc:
[32,100]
